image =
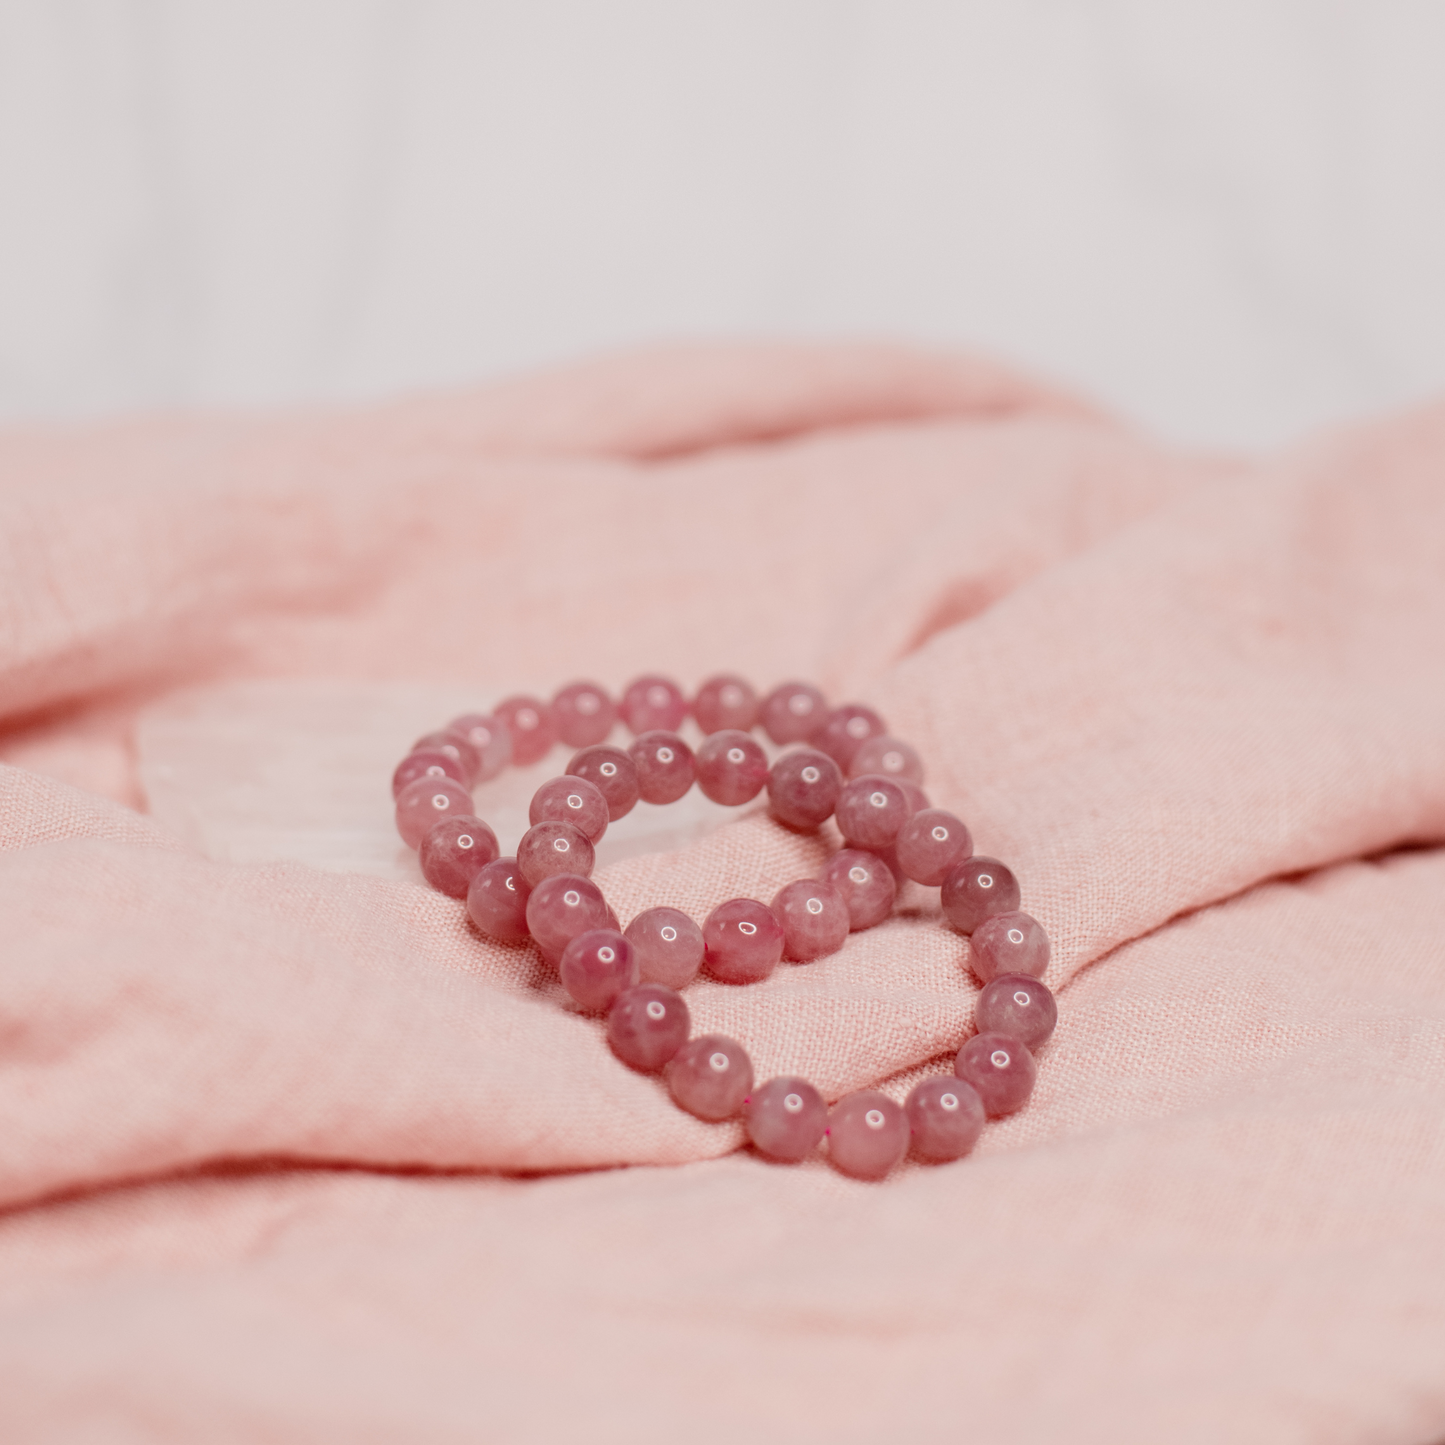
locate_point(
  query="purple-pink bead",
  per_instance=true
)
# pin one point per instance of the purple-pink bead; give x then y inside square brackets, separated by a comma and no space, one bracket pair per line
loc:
[731,767]
[547,849]
[867,1134]
[528,721]
[653,704]
[725,701]
[647,1025]
[945,1117]
[803,788]
[887,757]
[1009,943]
[497,901]
[710,1077]
[583,714]
[814,917]
[743,940]
[1000,1068]
[612,773]
[865,883]
[871,812]
[454,851]
[845,730]
[570,800]
[490,739]
[454,745]
[423,803]
[785,1118]
[792,712]
[560,908]
[596,967]
[426,763]
[668,944]
[665,768]
[977,889]
[1019,1006]
[930,844]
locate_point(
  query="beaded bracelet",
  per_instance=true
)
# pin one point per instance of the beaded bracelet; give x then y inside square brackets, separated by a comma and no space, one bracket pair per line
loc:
[845,766]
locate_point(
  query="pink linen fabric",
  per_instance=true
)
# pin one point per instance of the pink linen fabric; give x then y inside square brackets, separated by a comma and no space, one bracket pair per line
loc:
[297,1156]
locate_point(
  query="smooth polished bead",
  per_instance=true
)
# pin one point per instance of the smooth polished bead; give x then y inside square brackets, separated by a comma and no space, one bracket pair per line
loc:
[1018,1005]
[653,704]
[668,945]
[945,1116]
[491,740]
[803,788]
[454,851]
[561,907]
[871,811]
[814,918]
[596,967]
[612,773]
[725,701]
[528,721]
[710,1077]
[845,730]
[583,714]
[888,757]
[867,1134]
[548,849]
[665,767]
[743,940]
[1009,943]
[792,712]
[425,802]
[930,844]
[497,901]
[917,798]
[454,745]
[731,767]
[428,763]
[977,889]
[865,883]
[1000,1068]
[570,800]
[785,1118]
[647,1025]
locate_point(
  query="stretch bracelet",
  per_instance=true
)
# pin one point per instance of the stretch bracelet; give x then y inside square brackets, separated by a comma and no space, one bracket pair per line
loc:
[840,763]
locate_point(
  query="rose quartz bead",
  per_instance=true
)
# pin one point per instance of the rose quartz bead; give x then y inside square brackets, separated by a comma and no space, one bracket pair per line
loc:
[845,730]
[731,767]
[491,740]
[583,714]
[647,1025]
[596,966]
[454,745]
[613,922]
[547,849]
[887,757]
[710,1077]
[976,889]
[792,712]
[429,763]
[725,701]
[785,1118]
[561,907]
[917,798]
[497,901]
[1000,1068]
[454,851]
[931,843]
[528,721]
[743,940]
[867,1134]
[865,884]
[570,800]
[945,1117]
[612,773]
[665,767]
[814,918]
[871,812]
[425,802]
[1009,943]
[653,704]
[803,788]
[1019,1006]
[668,945]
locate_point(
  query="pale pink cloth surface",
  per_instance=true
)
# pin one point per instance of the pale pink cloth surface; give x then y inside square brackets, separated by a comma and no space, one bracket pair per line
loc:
[293,1156]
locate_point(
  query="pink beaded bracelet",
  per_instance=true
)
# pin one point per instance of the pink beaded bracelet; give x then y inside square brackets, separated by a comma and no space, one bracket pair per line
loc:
[847,768]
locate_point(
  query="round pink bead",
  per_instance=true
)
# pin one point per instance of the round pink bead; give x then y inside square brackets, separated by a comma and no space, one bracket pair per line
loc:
[668,945]
[665,767]
[612,773]
[792,712]
[846,729]
[814,918]
[497,901]
[1000,1068]
[710,1077]
[803,788]
[428,763]
[887,757]
[871,812]
[561,907]
[528,721]
[596,967]
[454,851]
[865,883]
[455,746]
[548,849]
[570,800]
[977,889]
[583,714]
[867,1134]
[917,798]
[491,740]
[931,843]
[743,940]
[422,804]
[725,701]
[731,767]
[945,1117]
[785,1118]
[1009,943]
[647,1025]
[1018,1006]
[653,704]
